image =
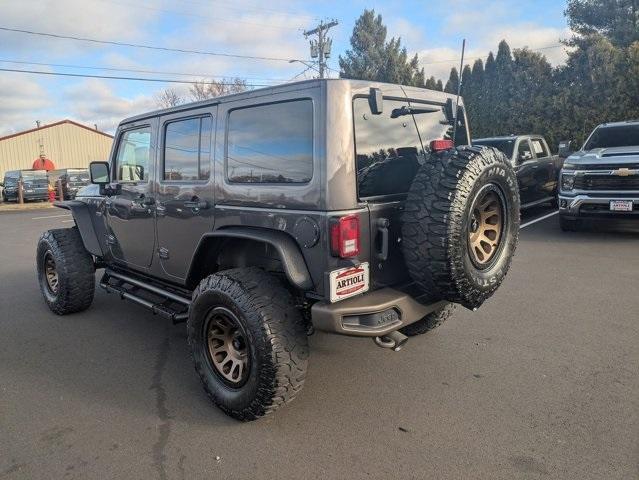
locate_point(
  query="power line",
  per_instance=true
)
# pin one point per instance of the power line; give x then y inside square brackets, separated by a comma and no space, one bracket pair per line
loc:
[195,15]
[138,45]
[156,72]
[559,45]
[109,77]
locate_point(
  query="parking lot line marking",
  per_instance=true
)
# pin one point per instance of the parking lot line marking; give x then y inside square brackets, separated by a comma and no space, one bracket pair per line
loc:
[51,216]
[527,224]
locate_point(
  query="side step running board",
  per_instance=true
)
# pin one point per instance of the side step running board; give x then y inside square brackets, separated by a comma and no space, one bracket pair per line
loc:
[159,300]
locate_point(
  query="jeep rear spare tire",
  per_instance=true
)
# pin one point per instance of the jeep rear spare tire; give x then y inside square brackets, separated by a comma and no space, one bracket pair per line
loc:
[461,223]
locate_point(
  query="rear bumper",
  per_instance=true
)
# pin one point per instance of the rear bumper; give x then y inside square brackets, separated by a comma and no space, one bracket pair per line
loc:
[372,314]
[584,206]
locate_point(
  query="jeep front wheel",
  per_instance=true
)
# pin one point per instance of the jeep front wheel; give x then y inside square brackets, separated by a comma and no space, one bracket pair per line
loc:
[248,342]
[461,224]
[66,272]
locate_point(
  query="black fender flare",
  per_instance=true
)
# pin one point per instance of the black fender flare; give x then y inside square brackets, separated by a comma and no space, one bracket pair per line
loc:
[287,249]
[84,222]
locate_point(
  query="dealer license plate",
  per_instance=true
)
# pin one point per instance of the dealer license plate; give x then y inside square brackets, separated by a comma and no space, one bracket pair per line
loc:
[29,191]
[347,282]
[621,205]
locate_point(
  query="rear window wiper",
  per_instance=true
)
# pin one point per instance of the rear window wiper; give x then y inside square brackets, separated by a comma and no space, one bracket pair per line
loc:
[404,110]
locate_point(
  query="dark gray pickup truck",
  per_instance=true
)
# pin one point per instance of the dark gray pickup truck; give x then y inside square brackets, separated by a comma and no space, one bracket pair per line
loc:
[537,170]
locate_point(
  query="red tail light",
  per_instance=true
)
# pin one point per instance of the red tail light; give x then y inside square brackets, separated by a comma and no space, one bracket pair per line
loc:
[440,145]
[345,239]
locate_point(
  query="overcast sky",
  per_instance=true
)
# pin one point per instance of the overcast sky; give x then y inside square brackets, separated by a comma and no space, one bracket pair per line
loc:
[434,30]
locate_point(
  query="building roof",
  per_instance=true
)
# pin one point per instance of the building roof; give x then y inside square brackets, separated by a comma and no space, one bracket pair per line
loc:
[61,122]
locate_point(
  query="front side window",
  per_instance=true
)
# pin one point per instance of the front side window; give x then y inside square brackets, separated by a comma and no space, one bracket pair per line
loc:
[271,143]
[187,147]
[388,150]
[133,159]
[524,152]
[614,136]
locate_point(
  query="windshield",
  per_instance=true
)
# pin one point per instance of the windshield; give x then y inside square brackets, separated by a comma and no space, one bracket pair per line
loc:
[617,136]
[34,175]
[504,145]
[78,176]
[388,150]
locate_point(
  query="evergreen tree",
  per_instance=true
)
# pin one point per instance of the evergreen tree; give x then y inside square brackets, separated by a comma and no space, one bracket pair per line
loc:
[617,20]
[373,58]
[453,81]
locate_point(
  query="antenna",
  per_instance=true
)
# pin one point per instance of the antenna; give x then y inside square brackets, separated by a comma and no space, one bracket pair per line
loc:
[459,86]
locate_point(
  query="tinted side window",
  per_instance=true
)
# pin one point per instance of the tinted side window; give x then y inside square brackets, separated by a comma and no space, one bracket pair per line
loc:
[271,143]
[187,145]
[133,155]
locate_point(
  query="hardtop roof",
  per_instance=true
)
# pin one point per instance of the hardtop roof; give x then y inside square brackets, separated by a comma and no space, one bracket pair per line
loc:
[283,88]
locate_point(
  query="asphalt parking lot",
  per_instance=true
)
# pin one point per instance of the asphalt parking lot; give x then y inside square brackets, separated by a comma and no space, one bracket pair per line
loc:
[541,382]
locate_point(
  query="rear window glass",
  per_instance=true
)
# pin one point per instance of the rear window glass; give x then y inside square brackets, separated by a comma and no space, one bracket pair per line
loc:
[618,136]
[388,150]
[504,146]
[271,143]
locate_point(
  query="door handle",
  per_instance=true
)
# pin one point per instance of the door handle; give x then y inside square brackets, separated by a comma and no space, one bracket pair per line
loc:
[195,202]
[382,229]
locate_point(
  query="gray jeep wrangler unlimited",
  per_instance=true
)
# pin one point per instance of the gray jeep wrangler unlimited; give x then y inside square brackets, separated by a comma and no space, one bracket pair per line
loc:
[338,205]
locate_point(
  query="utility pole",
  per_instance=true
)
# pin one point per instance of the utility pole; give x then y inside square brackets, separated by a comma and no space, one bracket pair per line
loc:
[321,47]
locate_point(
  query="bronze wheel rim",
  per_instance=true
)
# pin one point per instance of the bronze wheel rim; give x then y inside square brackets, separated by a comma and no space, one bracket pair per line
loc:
[227,347]
[485,227]
[51,273]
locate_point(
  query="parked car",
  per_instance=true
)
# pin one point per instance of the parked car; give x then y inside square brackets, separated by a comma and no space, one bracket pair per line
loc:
[601,180]
[260,216]
[537,170]
[35,185]
[72,179]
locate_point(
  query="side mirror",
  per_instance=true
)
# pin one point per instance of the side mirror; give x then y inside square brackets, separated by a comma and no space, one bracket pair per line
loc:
[376,101]
[564,148]
[99,173]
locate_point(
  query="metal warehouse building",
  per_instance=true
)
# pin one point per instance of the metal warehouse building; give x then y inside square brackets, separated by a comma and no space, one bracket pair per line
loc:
[67,144]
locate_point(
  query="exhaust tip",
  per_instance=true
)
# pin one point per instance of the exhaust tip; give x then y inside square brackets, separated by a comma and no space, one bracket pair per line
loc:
[394,340]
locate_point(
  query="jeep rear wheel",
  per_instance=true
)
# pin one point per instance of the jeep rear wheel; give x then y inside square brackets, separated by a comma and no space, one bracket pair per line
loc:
[248,342]
[460,225]
[66,271]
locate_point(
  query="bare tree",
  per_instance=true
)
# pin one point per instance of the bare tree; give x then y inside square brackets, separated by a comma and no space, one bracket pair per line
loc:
[213,88]
[168,98]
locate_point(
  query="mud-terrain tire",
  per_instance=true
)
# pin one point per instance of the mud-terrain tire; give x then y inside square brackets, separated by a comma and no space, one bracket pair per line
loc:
[429,322]
[66,272]
[448,208]
[569,224]
[269,335]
